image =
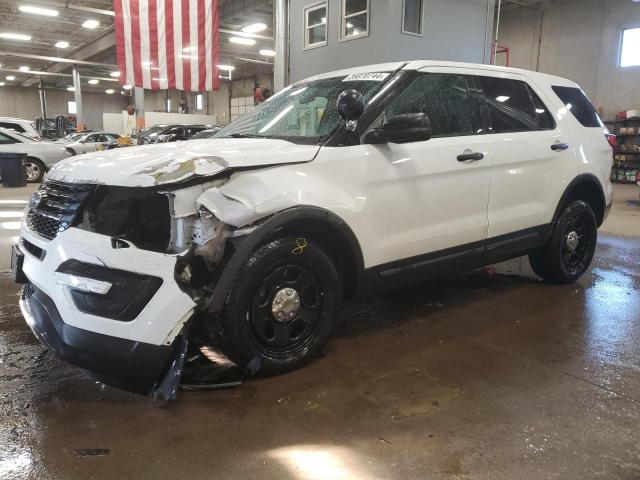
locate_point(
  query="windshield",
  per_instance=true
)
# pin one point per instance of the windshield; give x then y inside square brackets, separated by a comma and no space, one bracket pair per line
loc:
[152,131]
[305,112]
[74,137]
[24,137]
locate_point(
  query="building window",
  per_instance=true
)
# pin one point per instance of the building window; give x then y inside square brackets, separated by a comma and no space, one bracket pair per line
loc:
[630,53]
[199,102]
[315,25]
[412,17]
[71,107]
[355,19]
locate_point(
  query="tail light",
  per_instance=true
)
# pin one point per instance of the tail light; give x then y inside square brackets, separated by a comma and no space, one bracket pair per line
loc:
[611,138]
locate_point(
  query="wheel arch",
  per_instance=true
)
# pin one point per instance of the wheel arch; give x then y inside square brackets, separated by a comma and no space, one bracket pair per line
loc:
[587,187]
[311,223]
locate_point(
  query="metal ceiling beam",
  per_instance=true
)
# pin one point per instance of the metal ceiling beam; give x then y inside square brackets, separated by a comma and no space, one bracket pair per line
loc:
[47,58]
[54,74]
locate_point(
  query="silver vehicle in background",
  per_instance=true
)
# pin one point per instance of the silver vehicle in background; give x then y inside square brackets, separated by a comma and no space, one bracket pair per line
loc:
[41,156]
[90,142]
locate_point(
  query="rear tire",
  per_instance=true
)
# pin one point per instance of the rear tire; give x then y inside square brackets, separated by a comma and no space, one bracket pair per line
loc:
[570,249]
[35,170]
[282,308]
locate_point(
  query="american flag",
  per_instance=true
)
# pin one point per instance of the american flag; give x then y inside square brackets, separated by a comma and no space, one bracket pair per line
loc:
[163,44]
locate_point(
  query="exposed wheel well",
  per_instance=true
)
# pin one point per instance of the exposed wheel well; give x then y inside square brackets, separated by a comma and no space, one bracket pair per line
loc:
[587,188]
[336,243]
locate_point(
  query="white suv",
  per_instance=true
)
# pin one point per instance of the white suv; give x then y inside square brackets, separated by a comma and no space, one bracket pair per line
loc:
[338,186]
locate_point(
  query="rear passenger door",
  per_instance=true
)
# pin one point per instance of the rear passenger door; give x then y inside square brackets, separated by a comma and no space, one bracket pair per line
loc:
[531,153]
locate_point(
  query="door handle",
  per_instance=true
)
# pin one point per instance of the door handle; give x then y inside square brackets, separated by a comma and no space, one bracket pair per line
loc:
[559,146]
[470,156]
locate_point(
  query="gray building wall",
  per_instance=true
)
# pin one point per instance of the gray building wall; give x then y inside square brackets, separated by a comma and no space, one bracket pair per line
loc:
[579,40]
[24,103]
[457,30]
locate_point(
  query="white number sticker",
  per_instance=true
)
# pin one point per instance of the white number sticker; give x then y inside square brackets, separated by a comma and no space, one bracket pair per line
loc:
[366,77]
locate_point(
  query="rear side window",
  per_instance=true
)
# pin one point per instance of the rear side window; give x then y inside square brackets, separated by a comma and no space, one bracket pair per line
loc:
[442,96]
[6,140]
[579,105]
[545,118]
[510,106]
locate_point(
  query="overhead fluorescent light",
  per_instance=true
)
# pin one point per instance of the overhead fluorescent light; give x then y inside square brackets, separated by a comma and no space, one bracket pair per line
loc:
[91,24]
[11,78]
[109,91]
[226,67]
[127,87]
[115,74]
[23,68]
[49,12]
[71,89]
[502,98]
[15,36]
[267,52]
[94,81]
[254,28]
[242,41]
[2,84]
[62,44]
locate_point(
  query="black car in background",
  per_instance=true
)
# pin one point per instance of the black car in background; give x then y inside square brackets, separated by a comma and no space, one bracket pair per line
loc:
[169,133]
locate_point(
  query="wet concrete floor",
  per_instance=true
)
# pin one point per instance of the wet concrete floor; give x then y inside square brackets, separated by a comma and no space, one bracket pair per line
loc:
[484,375]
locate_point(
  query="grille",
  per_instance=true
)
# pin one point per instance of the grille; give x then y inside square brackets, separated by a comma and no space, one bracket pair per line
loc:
[54,207]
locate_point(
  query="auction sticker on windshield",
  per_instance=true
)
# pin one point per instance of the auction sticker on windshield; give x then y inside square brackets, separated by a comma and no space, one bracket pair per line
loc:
[370,76]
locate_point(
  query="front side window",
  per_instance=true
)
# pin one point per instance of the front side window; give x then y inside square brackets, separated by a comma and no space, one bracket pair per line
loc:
[6,139]
[510,106]
[443,97]
[315,25]
[412,17]
[630,52]
[304,112]
[355,19]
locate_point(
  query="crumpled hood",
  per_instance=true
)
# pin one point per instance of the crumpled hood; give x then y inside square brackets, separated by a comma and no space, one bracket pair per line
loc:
[165,163]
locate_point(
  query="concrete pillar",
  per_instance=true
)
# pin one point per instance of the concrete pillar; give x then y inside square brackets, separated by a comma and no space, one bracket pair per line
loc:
[77,97]
[138,103]
[281,62]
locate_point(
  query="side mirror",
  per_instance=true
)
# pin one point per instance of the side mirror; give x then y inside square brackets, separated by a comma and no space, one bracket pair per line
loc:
[350,104]
[403,128]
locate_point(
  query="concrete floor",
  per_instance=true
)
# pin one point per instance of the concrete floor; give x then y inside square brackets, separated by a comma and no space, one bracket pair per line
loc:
[488,375]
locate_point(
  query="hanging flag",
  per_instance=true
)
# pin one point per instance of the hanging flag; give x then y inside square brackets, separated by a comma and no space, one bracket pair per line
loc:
[163,44]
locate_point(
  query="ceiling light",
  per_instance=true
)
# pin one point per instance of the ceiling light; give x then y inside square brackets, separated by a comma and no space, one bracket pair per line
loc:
[62,44]
[127,87]
[38,10]
[15,36]
[94,81]
[23,68]
[10,78]
[71,89]
[2,84]
[226,67]
[115,74]
[242,41]
[109,91]
[91,24]
[267,53]
[254,28]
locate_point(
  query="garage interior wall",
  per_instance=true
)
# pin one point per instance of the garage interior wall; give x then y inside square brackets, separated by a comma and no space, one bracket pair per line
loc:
[579,40]
[458,30]
[25,103]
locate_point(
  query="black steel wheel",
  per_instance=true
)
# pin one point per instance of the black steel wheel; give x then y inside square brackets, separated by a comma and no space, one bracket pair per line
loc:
[282,307]
[569,251]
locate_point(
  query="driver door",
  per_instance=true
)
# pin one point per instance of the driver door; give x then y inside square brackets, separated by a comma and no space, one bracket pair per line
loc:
[422,202]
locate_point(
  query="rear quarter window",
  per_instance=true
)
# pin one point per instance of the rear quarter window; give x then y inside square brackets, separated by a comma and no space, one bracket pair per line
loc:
[579,105]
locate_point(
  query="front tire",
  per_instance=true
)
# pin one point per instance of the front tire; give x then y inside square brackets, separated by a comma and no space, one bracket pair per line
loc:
[569,251]
[282,308]
[35,170]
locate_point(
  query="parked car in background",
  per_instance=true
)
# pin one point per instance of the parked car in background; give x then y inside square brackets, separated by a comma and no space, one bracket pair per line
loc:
[169,133]
[20,125]
[71,136]
[90,142]
[208,133]
[40,155]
